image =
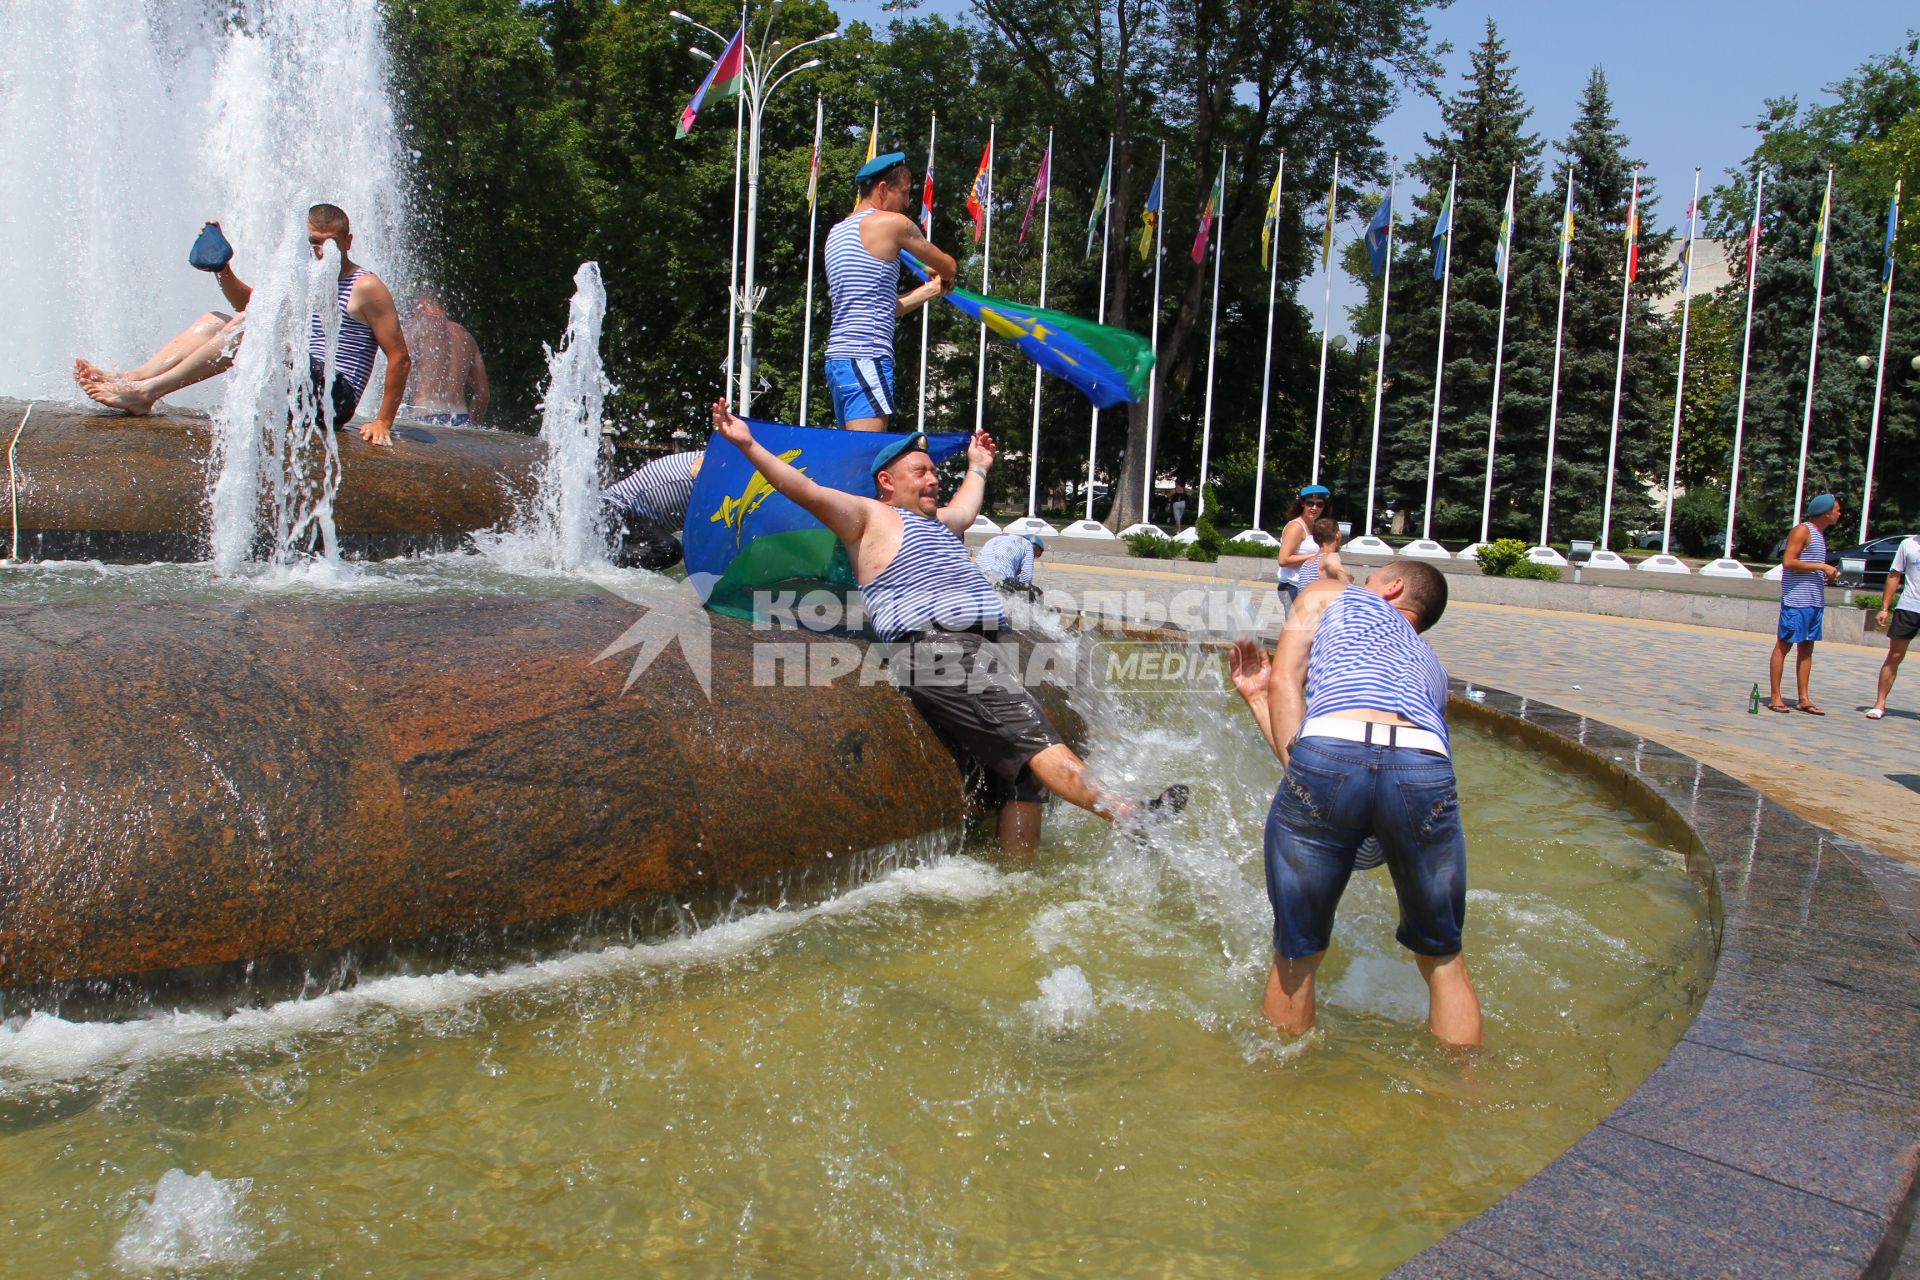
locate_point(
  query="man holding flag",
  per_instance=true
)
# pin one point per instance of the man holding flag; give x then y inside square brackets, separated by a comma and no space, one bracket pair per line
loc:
[863,281]
[924,594]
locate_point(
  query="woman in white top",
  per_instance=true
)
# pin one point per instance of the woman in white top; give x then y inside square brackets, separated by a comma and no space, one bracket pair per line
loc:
[1297,545]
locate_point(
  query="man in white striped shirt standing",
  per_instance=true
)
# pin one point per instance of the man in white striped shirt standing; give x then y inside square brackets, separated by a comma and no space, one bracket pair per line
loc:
[863,280]
[1354,705]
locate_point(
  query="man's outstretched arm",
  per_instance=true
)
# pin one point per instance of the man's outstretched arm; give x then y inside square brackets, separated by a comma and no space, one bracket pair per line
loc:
[842,512]
[959,514]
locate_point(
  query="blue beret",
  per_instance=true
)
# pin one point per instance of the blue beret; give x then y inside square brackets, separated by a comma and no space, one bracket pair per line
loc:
[1821,505]
[1039,543]
[1315,491]
[890,453]
[879,165]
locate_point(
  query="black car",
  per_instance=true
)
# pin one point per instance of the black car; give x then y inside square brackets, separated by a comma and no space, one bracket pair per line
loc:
[1879,557]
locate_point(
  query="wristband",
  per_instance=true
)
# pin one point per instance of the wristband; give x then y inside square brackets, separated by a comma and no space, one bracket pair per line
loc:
[979,471]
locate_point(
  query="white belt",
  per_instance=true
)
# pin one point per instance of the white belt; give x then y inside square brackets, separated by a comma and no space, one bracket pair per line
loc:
[1378,735]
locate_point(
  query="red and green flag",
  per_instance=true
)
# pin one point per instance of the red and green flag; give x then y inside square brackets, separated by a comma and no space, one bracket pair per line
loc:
[724,81]
[1633,231]
[1209,211]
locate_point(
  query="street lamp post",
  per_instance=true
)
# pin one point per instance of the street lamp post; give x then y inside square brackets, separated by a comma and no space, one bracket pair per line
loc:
[759,81]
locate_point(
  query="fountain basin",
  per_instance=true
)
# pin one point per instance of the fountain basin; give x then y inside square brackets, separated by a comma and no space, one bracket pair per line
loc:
[99,486]
[193,784]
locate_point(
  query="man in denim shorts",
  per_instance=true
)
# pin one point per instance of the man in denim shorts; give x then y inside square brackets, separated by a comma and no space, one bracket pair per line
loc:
[1354,705]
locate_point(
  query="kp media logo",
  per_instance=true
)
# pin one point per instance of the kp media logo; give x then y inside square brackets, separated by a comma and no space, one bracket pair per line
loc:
[1144,666]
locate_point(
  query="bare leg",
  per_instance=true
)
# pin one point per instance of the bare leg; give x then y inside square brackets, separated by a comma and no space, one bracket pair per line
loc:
[1803,669]
[1020,826]
[178,348]
[213,356]
[1067,776]
[1896,650]
[1776,665]
[1453,1007]
[1288,1002]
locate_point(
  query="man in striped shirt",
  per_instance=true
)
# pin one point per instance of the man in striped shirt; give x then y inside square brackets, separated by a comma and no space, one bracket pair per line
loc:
[863,280]
[1804,575]
[924,594]
[649,508]
[1353,703]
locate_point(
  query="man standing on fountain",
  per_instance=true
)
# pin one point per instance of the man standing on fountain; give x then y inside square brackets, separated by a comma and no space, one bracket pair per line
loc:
[863,279]
[368,320]
[924,594]
[1354,705]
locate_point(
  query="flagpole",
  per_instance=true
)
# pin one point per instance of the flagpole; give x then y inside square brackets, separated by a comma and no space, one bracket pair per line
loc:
[1499,351]
[1106,225]
[1432,548]
[926,313]
[813,229]
[1380,364]
[1679,388]
[1880,374]
[986,274]
[1326,323]
[1046,234]
[1604,553]
[1266,375]
[1727,566]
[1213,341]
[1813,348]
[1553,402]
[1153,340]
[733,270]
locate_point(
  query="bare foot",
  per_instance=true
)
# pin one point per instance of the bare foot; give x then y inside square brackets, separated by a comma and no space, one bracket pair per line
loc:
[120,395]
[86,372]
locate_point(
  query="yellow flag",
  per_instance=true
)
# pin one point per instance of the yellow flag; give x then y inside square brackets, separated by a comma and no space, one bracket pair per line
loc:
[873,145]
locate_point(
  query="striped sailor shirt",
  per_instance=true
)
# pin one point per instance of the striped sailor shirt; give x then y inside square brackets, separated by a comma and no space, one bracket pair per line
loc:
[1367,657]
[931,584]
[1806,588]
[865,293]
[353,357]
[656,496]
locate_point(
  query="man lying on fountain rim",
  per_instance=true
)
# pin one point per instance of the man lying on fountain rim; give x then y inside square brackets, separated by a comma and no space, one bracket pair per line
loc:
[368,320]
[924,593]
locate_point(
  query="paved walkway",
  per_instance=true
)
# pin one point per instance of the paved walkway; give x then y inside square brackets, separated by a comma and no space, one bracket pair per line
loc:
[1686,686]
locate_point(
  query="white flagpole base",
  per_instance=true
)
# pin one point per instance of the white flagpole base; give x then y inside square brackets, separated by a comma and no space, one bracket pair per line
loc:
[1153,529]
[982,525]
[1607,560]
[1725,569]
[1366,545]
[1426,549]
[1663,564]
[1546,555]
[1188,534]
[1468,552]
[1259,537]
[1032,524]
[1774,574]
[1087,529]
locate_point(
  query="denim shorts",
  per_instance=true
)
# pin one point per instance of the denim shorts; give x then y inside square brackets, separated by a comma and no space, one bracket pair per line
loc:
[861,388]
[1334,795]
[1799,624]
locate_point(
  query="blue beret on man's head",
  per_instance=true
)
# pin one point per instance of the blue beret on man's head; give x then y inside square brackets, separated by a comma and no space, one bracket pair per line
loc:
[889,454]
[879,165]
[1821,505]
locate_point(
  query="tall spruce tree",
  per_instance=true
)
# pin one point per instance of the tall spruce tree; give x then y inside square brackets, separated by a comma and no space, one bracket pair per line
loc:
[1485,134]
[1603,182]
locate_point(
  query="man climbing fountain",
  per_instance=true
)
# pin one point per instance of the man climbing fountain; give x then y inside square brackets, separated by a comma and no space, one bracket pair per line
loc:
[369,325]
[924,594]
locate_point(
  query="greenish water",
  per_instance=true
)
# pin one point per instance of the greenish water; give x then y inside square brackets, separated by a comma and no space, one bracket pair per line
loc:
[961,1068]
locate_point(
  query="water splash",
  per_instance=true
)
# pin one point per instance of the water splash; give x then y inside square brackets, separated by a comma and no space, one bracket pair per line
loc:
[569,520]
[191,1223]
[130,122]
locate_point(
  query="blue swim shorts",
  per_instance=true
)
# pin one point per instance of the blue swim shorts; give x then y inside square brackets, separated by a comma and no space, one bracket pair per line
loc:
[861,388]
[444,419]
[1334,795]
[1802,623]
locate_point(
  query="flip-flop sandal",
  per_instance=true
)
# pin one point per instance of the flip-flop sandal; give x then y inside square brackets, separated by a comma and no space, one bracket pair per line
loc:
[1811,710]
[1785,711]
[1876,714]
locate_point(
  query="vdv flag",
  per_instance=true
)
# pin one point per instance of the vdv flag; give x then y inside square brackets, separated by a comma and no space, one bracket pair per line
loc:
[742,537]
[723,81]
[1151,218]
[1503,250]
[1107,364]
[1378,232]
[1442,234]
[1893,228]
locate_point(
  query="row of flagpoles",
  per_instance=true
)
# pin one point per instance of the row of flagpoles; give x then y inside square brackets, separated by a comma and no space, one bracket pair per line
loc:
[1379,242]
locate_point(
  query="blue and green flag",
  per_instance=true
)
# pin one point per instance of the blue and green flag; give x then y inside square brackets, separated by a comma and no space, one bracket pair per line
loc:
[1105,363]
[742,537]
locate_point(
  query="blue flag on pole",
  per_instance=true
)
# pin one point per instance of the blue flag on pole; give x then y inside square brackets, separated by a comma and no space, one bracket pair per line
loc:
[1442,232]
[1377,232]
[742,537]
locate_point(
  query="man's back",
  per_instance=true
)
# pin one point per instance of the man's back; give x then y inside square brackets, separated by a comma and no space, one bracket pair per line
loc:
[446,361]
